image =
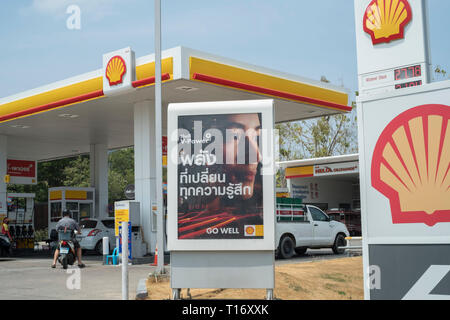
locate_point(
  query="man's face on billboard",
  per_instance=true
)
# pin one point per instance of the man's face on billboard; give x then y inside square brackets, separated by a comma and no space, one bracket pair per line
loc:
[241,164]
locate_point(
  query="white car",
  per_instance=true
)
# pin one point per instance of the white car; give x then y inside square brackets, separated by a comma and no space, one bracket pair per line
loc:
[93,231]
[306,226]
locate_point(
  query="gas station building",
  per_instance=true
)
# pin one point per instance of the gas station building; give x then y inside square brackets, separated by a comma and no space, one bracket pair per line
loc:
[330,183]
[86,115]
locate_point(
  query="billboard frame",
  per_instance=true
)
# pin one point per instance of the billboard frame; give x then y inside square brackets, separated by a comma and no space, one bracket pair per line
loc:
[175,110]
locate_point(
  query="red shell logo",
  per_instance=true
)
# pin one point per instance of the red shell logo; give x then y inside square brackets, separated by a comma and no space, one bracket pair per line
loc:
[411,163]
[115,70]
[385,20]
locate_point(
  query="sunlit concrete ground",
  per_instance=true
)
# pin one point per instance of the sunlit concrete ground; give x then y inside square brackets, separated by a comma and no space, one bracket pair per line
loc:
[32,278]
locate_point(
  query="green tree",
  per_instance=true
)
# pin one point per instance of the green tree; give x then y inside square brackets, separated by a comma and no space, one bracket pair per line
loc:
[121,172]
[290,137]
[77,172]
[329,136]
[116,186]
[440,73]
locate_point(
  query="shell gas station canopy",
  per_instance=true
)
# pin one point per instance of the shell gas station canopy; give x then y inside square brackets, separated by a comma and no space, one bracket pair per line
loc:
[64,118]
[113,107]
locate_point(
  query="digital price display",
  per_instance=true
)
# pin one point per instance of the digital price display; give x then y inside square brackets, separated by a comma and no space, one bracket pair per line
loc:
[408,72]
[408,84]
[393,79]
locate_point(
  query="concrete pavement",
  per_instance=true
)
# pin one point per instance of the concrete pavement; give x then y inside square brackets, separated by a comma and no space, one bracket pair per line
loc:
[32,278]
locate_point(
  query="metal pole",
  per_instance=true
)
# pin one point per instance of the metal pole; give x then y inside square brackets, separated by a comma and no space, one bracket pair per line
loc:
[124,260]
[158,137]
[269,294]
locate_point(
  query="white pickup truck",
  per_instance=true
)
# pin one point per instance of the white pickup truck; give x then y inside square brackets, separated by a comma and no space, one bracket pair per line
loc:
[300,227]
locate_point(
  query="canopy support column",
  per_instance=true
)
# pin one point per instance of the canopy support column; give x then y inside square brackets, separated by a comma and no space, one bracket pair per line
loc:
[145,167]
[98,157]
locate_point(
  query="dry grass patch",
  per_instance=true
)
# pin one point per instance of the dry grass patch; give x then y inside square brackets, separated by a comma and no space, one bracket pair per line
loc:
[337,279]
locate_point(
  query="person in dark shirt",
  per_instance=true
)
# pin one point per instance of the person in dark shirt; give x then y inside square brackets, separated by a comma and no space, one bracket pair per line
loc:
[70,224]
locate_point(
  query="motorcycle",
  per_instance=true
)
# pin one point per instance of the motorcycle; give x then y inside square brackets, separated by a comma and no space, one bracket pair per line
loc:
[67,252]
[5,245]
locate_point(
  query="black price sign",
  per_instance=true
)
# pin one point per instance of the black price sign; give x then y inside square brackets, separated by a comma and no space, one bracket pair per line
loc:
[408,72]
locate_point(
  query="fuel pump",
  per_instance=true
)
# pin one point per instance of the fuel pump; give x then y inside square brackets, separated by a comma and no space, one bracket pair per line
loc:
[21,218]
[130,211]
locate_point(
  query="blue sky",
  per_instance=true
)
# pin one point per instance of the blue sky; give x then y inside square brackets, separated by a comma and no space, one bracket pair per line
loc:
[303,37]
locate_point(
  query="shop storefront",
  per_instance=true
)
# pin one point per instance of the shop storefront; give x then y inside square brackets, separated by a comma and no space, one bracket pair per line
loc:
[330,183]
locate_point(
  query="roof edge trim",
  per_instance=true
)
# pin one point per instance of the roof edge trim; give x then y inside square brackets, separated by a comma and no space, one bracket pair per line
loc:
[271,92]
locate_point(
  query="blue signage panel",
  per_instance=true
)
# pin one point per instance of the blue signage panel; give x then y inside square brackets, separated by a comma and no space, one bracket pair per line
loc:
[129,240]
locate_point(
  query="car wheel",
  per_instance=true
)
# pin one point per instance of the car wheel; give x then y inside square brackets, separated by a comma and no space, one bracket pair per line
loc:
[99,248]
[300,251]
[287,248]
[339,242]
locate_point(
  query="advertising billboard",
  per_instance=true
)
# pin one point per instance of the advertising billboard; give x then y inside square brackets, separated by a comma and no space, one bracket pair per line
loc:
[22,171]
[220,172]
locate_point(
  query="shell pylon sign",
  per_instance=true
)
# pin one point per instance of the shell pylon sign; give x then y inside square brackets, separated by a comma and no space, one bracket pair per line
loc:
[411,165]
[404,150]
[385,20]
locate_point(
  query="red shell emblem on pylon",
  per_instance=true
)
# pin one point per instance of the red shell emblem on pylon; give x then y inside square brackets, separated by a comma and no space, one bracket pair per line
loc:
[411,163]
[115,70]
[385,20]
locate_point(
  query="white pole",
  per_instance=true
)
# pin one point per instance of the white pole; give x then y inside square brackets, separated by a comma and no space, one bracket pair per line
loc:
[124,260]
[105,242]
[158,137]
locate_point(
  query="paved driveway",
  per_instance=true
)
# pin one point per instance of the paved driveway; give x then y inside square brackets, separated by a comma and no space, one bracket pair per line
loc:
[32,278]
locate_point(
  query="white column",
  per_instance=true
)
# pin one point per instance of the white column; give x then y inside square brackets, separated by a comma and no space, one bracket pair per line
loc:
[98,157]
[289,185]
[144,167]
[3,171]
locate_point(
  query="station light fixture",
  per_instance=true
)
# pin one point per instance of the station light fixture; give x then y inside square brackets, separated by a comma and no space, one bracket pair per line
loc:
[20,126]
[187,89]
[68,115]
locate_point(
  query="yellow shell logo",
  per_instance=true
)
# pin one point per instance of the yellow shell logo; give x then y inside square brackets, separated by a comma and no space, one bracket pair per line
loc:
[249,230]
[115,70]
[411,165]
[385,20]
